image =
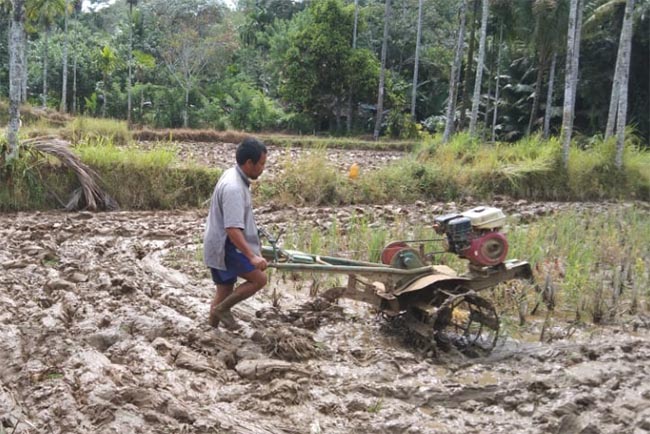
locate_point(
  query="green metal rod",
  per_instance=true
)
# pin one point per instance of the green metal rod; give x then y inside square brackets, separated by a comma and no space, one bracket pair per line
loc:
[269,253]
[351,269]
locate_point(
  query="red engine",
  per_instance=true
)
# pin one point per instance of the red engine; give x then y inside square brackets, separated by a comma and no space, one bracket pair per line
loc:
[475,235]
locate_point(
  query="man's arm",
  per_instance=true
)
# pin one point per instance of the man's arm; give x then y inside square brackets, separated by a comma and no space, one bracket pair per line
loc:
[237,238]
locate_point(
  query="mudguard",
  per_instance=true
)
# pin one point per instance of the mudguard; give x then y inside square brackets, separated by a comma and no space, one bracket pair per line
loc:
[442,273]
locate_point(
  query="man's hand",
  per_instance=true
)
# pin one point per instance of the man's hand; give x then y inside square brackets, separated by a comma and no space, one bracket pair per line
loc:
[259,262]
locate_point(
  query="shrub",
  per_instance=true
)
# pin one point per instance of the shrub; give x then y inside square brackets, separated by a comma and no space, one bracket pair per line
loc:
[251,110]
[400,125]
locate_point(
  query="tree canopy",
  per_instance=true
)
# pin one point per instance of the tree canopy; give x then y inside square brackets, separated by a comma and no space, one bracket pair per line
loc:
[285,65]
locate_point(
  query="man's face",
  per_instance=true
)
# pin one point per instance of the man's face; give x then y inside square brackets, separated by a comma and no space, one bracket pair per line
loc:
[254,170]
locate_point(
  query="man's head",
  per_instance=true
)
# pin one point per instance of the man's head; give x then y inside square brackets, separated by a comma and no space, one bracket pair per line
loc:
[251,157]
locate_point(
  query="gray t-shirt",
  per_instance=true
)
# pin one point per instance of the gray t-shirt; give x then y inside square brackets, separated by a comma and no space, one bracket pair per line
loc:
[230,207]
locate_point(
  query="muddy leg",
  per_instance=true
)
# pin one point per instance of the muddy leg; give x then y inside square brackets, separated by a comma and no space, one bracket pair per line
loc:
[223,291]
[255,280]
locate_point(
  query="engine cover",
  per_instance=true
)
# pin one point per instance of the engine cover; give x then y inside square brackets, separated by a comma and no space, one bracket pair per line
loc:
[487,250]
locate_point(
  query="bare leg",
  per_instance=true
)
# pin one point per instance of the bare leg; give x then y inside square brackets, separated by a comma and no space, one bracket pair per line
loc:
[223,291]
[255,280]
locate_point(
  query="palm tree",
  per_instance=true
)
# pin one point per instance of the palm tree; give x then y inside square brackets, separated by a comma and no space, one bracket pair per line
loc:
[107,63]
[549,96]
[467,82]
[354,46]
[356,23]
[479,69]
[44,13]
[604,11]
[496,85]
[571,76]
[63,107]
[16,66]
[548,16]
[623,69]
[130,78]
[382,72]
[75,57]
[455,75]
[417,60]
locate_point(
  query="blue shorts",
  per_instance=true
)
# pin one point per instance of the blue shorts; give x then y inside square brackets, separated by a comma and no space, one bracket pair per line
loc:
[236,265]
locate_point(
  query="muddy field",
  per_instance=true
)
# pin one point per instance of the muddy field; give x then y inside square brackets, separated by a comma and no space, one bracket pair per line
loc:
[103,330]
[221,155]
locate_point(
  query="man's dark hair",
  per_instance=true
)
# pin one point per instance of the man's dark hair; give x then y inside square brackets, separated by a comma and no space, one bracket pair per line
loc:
[250,149]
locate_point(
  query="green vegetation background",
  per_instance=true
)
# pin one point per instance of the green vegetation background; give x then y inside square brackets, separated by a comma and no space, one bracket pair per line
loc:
[430,170]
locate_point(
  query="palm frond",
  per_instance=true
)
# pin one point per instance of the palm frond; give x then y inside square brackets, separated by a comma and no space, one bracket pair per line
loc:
[90,195]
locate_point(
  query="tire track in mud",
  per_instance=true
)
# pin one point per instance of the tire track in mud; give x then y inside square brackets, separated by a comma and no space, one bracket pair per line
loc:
[100,333]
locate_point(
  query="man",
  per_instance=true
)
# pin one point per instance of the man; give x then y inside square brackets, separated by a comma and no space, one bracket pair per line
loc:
[231,245]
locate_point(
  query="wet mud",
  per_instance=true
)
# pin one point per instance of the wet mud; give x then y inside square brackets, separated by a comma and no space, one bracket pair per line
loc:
[103,330]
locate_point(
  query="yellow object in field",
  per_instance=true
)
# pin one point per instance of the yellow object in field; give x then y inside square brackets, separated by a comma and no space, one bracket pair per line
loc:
[459,316]
[354,171]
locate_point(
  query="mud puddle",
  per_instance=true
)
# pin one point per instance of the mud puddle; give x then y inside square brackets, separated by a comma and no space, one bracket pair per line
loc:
[102,330]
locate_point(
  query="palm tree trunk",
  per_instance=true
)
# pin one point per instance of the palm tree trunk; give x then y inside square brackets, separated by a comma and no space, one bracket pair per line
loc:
[455,75]
[46,42]
[570,80]
[186,117]
[486,112]
[576,58]
[613,100]
[626,45]
[382,72]
[354,46]
[74,68]
[479,69]
[467,82]
[496,86]
[541,66]
[130,78]
[104,84]
[549,97]
[63,107]
[417,60]
[356,23]
[16,65]
[23,53]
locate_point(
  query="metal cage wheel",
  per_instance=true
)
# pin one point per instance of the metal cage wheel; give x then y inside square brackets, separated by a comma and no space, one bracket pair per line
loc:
[468,322]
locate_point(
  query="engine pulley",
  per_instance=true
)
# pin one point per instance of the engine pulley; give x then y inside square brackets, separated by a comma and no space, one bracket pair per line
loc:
[487,250]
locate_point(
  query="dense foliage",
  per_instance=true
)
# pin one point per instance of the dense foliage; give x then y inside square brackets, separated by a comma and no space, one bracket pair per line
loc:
[285,65]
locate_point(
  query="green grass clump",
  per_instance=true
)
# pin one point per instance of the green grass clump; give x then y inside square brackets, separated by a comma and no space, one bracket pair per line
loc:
[596,259]
[309,179]
[87,129]
[149,179]
[160,158]
[592,174]
[530,169]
